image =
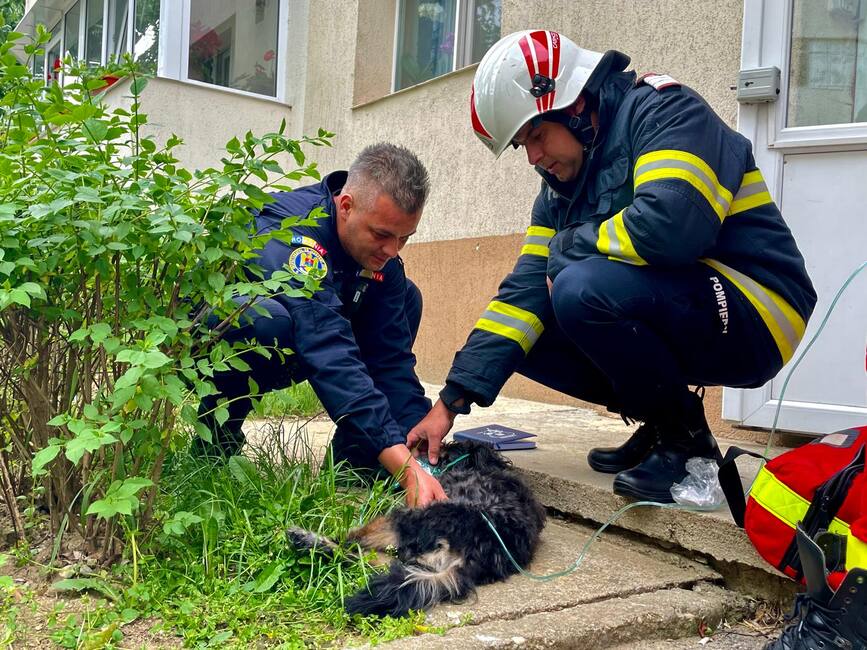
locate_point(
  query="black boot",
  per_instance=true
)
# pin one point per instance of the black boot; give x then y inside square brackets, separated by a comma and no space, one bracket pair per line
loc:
[611,460]
[685,436]
[824,618]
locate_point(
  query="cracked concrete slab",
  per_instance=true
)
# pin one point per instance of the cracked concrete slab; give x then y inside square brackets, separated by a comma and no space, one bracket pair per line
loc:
[609,570]
[642,617]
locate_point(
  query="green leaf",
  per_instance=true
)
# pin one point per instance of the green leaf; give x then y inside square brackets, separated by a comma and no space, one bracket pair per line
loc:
[217,281]
[95,129]
[221,415]
[257,194]
[88,441]
[43,457]
[269,577]
[99,331]
[155,359]
[243,470]
[138,85]
[179,523]
[88,584]
[120,498]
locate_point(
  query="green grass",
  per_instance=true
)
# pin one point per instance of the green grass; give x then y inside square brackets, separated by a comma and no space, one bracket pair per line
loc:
[218,570]
[298,400]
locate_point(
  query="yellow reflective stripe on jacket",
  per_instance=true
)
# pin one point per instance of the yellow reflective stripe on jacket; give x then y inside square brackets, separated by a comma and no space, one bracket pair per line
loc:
[614,241]
[512,322]
[752,193]
[671,163]
[790,508]
[537,240]
[785,324]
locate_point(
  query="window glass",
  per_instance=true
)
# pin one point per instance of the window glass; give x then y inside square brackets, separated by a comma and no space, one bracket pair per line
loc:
[53,55]
[233,43]
[70,32]
[486,27]
[828,65]
[93,33]
[54,60]
[426,41]
[118,15]
[147,34]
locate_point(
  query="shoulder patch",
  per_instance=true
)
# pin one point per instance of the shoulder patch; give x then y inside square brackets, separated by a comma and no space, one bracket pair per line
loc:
[658,81]
[376,276]
[306,260]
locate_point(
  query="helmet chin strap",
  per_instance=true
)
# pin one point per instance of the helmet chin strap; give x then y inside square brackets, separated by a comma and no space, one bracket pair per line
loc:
[580,125]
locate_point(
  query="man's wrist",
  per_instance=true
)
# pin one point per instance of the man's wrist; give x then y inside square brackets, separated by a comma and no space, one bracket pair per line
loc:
[454,399]
[397,461]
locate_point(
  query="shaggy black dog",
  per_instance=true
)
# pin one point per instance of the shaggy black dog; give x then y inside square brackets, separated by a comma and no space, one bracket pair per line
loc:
[445,549]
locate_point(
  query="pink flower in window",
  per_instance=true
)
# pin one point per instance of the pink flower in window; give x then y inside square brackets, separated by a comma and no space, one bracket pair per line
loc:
[269,55]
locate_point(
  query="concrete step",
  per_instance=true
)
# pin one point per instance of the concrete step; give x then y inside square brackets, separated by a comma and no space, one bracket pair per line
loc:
[729,640]
[623,591]
[640,619]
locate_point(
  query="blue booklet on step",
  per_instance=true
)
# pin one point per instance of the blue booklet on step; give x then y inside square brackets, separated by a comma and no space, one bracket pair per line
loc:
[499,437]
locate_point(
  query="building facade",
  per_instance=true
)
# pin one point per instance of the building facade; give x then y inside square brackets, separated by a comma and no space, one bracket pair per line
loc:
[401,70]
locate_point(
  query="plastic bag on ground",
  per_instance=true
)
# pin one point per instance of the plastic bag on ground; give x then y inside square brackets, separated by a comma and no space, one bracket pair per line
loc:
[700,488]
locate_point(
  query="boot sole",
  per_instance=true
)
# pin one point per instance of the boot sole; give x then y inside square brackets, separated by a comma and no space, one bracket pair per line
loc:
[609,469]
[626,490]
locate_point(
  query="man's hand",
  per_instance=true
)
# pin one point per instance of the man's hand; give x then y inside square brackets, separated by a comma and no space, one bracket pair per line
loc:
[420,488]
[428,434]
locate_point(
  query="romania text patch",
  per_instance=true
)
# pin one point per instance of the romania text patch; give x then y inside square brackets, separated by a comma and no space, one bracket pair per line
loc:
[307,261]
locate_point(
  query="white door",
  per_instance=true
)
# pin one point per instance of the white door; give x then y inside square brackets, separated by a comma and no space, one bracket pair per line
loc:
[811,145]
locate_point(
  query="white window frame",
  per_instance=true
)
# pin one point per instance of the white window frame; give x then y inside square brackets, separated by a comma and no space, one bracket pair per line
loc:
[770,51]
[174,48]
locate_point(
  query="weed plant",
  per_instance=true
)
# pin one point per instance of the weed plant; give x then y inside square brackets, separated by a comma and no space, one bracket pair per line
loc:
[298,400]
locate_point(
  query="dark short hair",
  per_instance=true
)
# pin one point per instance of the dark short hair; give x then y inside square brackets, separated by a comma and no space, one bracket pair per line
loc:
[392,169]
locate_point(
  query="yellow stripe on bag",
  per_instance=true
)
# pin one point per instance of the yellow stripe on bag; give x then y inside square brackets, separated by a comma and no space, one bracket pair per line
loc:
[790,508]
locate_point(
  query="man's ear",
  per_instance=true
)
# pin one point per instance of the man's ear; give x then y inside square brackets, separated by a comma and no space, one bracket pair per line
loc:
[344,204]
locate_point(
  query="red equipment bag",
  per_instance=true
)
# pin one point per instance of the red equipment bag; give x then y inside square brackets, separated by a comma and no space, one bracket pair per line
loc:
[822,486]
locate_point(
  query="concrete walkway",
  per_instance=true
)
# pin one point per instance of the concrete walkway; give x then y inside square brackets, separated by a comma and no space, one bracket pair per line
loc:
[653,580]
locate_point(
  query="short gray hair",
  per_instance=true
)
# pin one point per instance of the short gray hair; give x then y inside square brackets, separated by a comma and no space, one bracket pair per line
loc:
[392,169]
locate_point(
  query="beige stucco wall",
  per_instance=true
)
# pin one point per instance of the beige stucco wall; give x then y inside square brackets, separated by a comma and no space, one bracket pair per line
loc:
[204,118]
[696,42]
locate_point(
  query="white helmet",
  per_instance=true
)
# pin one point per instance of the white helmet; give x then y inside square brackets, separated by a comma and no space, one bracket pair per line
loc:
[527,74]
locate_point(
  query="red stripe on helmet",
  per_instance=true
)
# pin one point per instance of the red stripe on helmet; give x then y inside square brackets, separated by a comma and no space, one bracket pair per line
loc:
[540,44]
[532,69]
[543,60]
[478,127]
[555,60]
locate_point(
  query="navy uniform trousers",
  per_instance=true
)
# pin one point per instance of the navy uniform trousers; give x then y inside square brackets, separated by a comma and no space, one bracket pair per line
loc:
[274,374]
[632,338]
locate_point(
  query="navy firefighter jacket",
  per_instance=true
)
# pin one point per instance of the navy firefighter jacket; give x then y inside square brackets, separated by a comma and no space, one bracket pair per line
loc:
[670,184]
[358,358]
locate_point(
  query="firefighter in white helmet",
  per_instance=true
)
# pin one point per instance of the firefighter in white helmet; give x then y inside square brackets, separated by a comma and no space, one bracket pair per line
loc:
[655,258]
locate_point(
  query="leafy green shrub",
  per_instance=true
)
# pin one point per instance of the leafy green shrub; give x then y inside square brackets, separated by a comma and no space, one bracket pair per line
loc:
[111,257]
